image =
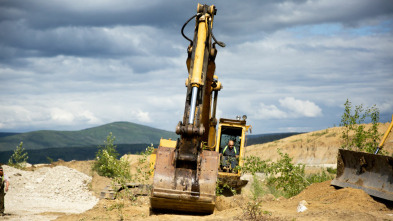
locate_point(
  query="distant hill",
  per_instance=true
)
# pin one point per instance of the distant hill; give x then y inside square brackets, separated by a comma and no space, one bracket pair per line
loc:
[125,133]
[45,145]
[6,134]
[265,138]
[72,153]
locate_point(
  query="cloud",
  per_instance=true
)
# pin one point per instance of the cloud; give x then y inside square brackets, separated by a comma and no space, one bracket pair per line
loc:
[98,42]
[300,108]
[61,116]
[74,64]
[141,116]
[290,108]
[269,112]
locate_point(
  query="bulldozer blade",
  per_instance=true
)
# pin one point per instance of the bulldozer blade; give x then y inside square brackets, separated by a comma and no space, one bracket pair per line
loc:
[176,189]
[369,172]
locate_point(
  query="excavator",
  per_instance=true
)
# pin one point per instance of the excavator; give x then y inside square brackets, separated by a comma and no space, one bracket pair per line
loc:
[186,170]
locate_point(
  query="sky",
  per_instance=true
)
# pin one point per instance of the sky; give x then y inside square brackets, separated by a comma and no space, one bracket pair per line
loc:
[288,65]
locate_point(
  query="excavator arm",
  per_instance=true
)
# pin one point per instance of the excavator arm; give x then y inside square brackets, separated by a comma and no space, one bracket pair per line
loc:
[185,176]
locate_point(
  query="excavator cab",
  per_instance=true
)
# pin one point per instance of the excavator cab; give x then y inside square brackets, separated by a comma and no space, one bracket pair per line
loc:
[235,130]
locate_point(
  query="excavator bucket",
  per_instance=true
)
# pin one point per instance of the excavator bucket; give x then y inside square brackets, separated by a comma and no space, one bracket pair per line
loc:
[184,189]
[369,172]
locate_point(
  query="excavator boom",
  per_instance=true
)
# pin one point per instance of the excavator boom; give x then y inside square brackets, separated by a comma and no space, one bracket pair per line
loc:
[186,173]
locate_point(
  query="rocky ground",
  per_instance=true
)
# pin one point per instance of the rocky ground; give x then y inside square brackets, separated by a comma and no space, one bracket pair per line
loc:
[70,191]
[50,190]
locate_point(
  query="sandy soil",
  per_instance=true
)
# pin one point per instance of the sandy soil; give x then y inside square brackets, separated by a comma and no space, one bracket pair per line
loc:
[318,148]
[323,202]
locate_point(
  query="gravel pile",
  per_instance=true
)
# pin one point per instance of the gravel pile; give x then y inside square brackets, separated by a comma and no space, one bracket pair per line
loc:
[57,189]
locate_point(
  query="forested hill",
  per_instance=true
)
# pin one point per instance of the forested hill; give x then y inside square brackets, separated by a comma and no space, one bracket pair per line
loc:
[124,132]
[265,138]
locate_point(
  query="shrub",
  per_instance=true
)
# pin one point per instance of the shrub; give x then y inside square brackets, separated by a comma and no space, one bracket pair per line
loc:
[287,176]
[355,136]
[19,158]
[253,164]
[143,170]
[284,178]
[107,164]
[320,177]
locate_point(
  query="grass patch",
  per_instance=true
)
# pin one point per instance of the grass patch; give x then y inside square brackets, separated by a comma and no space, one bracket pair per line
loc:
[334,134]
[319,134]
[331,170]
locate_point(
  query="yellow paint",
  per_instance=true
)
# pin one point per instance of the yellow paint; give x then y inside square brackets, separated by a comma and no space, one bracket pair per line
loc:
[386,133]
[245,129]
[164,143]
[196,77]
[168,143]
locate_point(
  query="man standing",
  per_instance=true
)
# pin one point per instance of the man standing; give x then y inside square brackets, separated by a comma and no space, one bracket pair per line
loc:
[230,154]
[3,189]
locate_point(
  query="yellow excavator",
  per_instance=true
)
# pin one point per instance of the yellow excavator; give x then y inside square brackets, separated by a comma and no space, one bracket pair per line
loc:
[186,171]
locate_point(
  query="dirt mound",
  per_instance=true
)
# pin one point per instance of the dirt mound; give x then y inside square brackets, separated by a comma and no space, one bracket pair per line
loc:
[97,184]
[345,198]
[56,190]
[325,202]
[225,203]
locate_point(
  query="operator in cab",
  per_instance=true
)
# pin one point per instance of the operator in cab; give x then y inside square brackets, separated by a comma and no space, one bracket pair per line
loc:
[230,155]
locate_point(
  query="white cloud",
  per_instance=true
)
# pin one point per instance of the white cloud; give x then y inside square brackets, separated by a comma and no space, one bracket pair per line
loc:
[140,116]
[71,113]
[291,108]
[264,111]
[300,108]
[386,107]
[61,116]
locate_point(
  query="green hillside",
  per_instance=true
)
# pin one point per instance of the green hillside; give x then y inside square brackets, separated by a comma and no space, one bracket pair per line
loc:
[125,133]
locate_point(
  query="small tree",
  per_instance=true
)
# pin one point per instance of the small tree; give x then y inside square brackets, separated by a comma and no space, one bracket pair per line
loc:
[355,135]
[373,134]
[287,176]
[19,158]
[106,163]
[347,123]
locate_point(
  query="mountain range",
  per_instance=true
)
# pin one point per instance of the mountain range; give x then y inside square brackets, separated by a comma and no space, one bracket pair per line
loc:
[124,132]
[46,145]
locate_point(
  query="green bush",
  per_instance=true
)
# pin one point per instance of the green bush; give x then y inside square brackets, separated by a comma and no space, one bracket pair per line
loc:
[355,136]
[107,164]
[143,171]
[320,177]
[286,176]
[253,164]
[283,177]
[19,158]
